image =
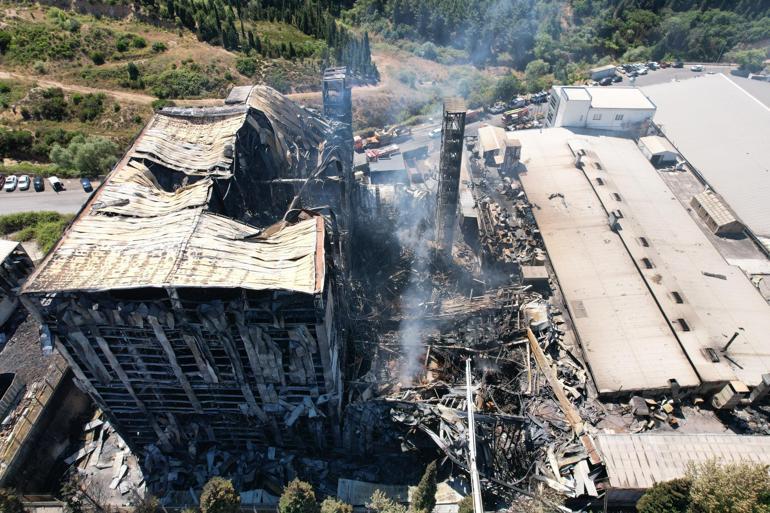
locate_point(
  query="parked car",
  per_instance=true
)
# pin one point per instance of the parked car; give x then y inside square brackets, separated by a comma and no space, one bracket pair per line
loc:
[653,65]
[497,108]
[86,183]
[696,67]
[617,78]
[2,181]
[24,182]
[38,184]
[678,64]
[56,184]
[10,183]
[605,81]
[642,70]
[665,64]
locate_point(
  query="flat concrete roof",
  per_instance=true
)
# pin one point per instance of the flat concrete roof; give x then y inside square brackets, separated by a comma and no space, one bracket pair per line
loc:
[723,131]
[627,343]
[641,460]
[658,244]
[619,98]
[577,93]
[714,306]
[388,164]
[615,97]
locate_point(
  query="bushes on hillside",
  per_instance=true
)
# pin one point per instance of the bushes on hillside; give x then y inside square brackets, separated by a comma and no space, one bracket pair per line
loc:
[179,83]
[246,66]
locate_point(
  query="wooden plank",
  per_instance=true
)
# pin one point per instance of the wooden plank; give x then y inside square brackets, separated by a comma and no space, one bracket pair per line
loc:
[92,360]
[171,356]
[570,412]
[123,377]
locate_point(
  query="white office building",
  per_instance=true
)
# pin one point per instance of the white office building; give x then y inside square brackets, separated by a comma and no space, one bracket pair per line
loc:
[621,109]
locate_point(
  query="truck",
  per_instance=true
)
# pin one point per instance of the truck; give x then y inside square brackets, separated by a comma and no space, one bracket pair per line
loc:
[515,115]
[393,134]
[472,115]
[376,153]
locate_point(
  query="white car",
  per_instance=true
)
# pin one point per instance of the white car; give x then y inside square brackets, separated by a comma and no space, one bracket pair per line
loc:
[436,132]
[696,67]
[56,183]
[24,182]
[642,70]
[10,183]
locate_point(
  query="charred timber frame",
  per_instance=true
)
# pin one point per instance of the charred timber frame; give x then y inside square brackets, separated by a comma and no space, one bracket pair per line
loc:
[183,367]
[452,132]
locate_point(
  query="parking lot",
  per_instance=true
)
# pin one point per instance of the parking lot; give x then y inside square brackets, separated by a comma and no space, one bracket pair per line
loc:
[67,201]
[668,74]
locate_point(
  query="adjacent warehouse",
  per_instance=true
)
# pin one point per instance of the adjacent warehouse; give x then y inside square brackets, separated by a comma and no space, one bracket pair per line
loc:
[626,341]
[636,462]
[625,251]
[726,141]
[622,109]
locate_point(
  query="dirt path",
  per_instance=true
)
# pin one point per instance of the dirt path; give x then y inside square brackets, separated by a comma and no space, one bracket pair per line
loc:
[144,99]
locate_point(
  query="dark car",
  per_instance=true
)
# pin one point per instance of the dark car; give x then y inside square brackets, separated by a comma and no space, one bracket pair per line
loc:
[617,78]
[605,81]
[38,183]
[2,181]
[86,183]
[678,64]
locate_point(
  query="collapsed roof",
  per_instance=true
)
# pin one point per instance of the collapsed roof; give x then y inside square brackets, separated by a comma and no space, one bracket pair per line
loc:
[178,209]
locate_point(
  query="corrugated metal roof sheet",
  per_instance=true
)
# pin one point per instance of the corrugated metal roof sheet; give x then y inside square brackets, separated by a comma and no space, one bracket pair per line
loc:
[185,248]
[193,145]
[6,248]
[641,460]
[133,233]
[723,131]
[714,207]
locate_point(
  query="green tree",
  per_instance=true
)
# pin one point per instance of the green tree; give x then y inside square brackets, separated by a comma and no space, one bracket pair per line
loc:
[751,61]
[89,156]
[534,73]
[5,41]
[219,496]
[507,88]
[133,71]
[298,497]
[9,502]
[424,496]
[331,505]
[668,497]
[734,488]
[380,503]
[466,505]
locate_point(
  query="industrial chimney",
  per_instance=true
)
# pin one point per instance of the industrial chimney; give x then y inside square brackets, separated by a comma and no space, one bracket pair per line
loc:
[452,132]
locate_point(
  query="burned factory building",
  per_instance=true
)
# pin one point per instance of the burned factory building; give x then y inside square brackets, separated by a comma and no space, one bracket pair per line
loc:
[197,294]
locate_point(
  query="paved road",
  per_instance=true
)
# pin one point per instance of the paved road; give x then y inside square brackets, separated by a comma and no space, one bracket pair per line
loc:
[68,201]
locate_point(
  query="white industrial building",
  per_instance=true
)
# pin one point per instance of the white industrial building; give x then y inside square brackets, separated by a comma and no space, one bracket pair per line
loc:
[622,109]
